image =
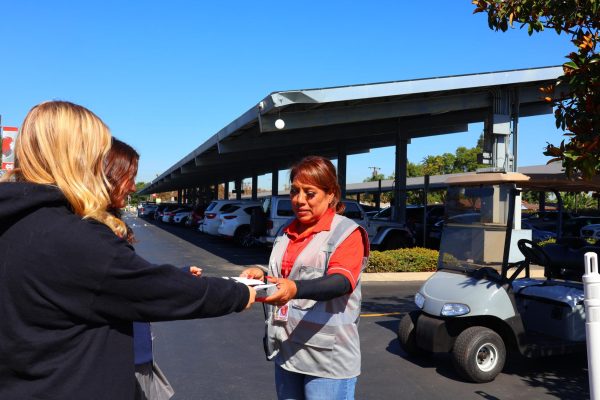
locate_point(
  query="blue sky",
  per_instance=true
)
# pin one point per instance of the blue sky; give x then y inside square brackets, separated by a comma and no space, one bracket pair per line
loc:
[167,75]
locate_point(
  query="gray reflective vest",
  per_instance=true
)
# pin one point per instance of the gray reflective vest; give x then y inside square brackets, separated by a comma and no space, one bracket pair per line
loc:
[320,338]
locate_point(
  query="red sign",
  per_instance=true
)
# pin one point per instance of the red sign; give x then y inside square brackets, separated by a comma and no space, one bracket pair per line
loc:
[9,136]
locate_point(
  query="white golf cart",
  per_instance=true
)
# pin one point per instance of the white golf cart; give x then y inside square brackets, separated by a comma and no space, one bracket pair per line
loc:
[482,302]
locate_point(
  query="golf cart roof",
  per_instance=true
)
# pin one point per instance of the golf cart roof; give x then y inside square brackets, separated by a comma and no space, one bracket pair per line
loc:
[487,178]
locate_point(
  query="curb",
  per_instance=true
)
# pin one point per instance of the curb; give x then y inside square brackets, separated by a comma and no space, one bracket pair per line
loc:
[536,272]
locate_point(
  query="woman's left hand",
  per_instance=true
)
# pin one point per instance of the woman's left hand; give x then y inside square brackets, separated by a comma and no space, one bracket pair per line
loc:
[286,290]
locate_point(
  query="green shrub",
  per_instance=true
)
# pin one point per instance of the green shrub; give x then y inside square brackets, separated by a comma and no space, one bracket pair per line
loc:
[416,259]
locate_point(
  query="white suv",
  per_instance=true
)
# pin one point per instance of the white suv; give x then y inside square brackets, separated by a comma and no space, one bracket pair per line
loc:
[235,223]
[277,211]
[211,222]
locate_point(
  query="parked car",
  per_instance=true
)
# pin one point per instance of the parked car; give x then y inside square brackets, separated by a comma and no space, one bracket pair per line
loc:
[210,223]
[537,235]
[591,232]
[147,210]
[158,214]
[277,211]
[547,220]
[386,234]
[573,226]
[234,222]
[169,214]
[196,216]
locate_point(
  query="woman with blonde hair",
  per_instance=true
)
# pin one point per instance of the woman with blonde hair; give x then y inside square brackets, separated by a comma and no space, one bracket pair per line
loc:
[70,284]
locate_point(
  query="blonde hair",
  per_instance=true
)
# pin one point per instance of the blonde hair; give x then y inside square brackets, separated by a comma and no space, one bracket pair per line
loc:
[64,144]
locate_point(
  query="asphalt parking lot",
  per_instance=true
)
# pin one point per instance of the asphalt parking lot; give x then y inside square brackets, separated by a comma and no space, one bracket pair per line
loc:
[222,358]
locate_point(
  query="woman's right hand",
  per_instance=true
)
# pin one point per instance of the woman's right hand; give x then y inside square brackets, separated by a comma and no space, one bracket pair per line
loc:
[253,273]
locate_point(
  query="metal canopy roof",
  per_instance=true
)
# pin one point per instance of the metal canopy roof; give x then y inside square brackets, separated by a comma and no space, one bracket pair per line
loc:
[544,177]
[355,118]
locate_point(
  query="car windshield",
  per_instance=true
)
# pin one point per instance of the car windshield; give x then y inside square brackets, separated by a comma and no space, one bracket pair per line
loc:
[474,227]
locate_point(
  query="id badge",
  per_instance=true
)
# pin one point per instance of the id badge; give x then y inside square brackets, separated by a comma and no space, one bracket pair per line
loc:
[281,313]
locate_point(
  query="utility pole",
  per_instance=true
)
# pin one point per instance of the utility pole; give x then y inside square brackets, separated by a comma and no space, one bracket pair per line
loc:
[375,171]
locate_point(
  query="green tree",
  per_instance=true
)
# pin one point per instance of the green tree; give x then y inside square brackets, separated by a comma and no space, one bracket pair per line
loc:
[466,159]
[576,94]
[135,198]
[413,169]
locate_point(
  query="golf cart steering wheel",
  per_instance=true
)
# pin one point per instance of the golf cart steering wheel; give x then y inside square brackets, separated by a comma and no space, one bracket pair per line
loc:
[533,253]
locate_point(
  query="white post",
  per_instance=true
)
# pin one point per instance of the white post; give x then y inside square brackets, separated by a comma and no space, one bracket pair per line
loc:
[591,290]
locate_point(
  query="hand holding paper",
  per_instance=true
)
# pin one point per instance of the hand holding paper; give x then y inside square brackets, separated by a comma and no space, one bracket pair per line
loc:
[257,284]
[286,291]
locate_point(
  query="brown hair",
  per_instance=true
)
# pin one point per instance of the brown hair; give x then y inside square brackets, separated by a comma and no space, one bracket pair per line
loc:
[319,171]
[120,165]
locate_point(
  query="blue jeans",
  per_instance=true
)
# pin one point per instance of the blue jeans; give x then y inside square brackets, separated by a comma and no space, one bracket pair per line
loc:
[293,386]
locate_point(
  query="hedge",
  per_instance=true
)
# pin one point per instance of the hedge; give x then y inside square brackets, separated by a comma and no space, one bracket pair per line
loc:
[416,259]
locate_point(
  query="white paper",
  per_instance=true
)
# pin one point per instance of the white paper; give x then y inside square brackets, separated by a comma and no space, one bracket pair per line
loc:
[257,284]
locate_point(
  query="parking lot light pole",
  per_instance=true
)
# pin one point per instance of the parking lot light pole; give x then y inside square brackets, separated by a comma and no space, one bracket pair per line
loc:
[591,291]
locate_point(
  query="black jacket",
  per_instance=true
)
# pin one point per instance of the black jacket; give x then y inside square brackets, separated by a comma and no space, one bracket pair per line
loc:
[69,291]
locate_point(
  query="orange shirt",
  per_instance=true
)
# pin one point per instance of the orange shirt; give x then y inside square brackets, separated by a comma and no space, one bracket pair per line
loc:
[346,260]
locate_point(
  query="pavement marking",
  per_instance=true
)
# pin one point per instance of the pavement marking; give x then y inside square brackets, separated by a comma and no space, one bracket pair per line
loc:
[383,314]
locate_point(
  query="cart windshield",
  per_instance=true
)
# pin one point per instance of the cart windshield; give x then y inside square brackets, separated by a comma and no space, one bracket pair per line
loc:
[474,227]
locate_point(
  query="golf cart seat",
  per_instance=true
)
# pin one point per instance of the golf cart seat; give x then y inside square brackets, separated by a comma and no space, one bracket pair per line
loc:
[551,306]
[572,242]
[567,262]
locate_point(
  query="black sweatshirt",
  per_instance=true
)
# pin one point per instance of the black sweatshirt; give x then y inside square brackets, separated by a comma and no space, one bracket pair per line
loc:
[69,291]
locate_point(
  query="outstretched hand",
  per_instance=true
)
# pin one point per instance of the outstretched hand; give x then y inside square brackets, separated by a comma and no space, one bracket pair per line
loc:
[286,290]
[253,273]
[196,271]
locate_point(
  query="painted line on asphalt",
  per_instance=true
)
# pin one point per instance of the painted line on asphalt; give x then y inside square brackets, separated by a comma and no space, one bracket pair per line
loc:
[382,314]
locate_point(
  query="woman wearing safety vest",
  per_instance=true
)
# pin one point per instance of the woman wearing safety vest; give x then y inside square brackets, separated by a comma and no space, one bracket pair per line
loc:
[316,264]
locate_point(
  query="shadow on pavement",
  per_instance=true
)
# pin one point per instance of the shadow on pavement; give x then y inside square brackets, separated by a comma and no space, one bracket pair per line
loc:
[215,245]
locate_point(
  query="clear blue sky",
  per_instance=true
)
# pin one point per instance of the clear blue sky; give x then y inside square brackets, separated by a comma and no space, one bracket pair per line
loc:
[167,75]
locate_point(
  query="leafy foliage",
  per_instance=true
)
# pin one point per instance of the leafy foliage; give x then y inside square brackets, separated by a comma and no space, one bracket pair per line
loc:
[416,259]
[576,94]
[463,160]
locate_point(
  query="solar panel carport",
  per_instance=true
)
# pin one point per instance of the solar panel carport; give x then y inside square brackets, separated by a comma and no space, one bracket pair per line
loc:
[340,121]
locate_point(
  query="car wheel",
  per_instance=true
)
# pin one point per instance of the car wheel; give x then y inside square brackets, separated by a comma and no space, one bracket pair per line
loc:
[242,236]
[479,354]
[406,334]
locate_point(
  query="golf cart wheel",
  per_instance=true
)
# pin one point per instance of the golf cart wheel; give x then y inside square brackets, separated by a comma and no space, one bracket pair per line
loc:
[479,354]
[406,334]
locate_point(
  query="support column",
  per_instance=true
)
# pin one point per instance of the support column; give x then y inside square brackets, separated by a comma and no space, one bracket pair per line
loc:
[378,195]
[254,187]
[238,189]
[497,129]
[399,210]
[275,182]
[179,194]
[515,130]
[226,190]
[341,168]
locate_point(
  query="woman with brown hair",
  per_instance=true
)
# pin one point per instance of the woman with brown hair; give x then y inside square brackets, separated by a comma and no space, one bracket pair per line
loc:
[120,167]
[70,285]
[316,264]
